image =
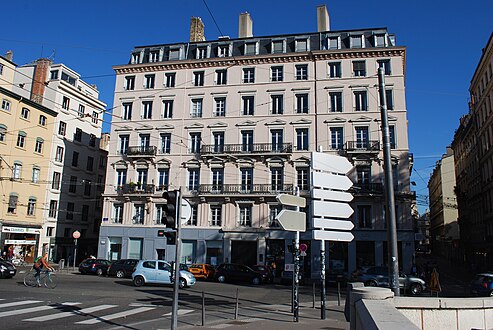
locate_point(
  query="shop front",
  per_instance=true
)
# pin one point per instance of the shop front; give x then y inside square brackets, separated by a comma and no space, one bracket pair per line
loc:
[20,242]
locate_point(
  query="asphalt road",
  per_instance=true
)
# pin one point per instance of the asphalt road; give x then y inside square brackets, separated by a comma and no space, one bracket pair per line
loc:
[86,301]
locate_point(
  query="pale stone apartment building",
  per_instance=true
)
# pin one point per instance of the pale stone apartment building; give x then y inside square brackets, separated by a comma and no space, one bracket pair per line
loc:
[232,123]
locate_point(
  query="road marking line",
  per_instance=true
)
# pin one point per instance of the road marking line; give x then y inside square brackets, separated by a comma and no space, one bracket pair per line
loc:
[32,309]
[18,303]
[115,316]
[71,313]
[180,312]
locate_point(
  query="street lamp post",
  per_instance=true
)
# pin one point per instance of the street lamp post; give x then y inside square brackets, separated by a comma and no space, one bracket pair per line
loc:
[75,235]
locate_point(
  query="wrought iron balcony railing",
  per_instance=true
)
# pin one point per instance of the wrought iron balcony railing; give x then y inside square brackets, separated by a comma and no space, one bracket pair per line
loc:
[239,189]
[141,151]
[253,148]
[136,188]
[367,187]
[362,146]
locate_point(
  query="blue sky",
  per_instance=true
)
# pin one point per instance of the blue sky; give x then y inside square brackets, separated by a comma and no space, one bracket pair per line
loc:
[444,40]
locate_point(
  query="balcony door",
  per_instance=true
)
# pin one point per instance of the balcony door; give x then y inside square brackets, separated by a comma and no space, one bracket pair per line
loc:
[247,141]
[145,142]
[217,179]
[218,142]
[277,139]
[246,180]
[362,136]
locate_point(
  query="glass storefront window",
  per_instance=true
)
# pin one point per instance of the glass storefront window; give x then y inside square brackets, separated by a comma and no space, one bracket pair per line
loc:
[135,248]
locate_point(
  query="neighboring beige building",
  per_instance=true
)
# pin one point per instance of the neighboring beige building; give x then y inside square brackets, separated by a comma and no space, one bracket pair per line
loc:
[473,151]
[232,123]
[26,134]
[444,227]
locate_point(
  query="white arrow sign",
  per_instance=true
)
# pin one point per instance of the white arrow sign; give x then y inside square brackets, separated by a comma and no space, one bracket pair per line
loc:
[333,224]
[331,181]
[291,200]
[337,236]
[292,220]
[332,195]
[331,209]
[330,163]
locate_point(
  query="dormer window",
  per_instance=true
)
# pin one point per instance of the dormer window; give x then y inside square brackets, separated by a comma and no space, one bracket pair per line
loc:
[135,58]
[223,51]
[201,52]
[380,40]
[54,75]
[251,48]
[174,54]
[277,46]
[301,45]
[154,56]
[357,41]
[333,43]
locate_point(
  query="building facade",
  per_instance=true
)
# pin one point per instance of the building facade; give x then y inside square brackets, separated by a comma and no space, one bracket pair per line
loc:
[444,227]
[25,145]
[473,152]
[232,122]
[76,164]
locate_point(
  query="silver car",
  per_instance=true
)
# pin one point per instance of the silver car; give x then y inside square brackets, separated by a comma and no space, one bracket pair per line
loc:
[159,272]
[379,276]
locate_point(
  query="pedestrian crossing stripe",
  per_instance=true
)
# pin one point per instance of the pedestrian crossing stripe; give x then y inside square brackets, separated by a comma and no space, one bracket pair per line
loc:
[180,312]
[116,315]
[34,309]
[71,313]
[19,303]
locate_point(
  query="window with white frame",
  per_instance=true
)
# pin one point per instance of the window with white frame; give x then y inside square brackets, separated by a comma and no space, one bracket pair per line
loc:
[195,142]
[5,105]
[220,106]
[153,56]
[277,178]
[62,128]
[393,144]
[117,213]
[163,178]
[362,137]
[357,41]
[13,200]
[55,183]
[3,132]
[95,117]
[201,52]
[158,220]
[336,138]
[42,120]
[129,83]
[165,143]
[389,99]
[167,109]
[245,215]
[251,48]
[35,174]
[248,75]
[16,171]
[216,215]
[363,176]
[196,111]
[31,206]
[53,208]
[359,68]
[221,77]
[335,70]
[198,78]
[142,177]
[302,103]
[149,81]
[333,43]
[139,212]
[81,111]
[218,138]
[146,110]
[223,51]
[21,139]
[123,146]
[277,139]
[302,72]
[1,69]
[335,101]
[301,139]
[135,58]
[301,45]
[248,105]
[217,176]
[65,103]
[303,178]
[193,179]
[174,54]
[385,65]
[246,179]
[193,216]
[59,154]
[25,113]
[277,104]
[78,134]
[380,40]
[247,141]
[38,146]
[170,78]
[360,101]
[277,46]
[121,177]
[274,210]
[277,73]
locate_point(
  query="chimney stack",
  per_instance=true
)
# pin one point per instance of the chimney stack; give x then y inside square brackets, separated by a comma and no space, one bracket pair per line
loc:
[323,20]
[40,75]
[196,29]
[245,29]
[9,55]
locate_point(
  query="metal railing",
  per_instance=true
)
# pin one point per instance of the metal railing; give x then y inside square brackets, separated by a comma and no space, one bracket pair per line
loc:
[239,189]
[253,148]
[369,146]
[136,188]
[141,151]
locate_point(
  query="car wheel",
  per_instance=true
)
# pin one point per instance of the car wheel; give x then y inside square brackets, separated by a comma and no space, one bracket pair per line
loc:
[182,283]
[139,281]
[416,289]
[371,283]
[221,279]
[120,274]
[256,281]
[99,272]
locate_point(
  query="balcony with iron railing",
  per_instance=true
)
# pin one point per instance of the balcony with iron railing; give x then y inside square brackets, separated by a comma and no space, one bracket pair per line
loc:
[246,149]
[362,147]
[135,189]
[367,188]
[240,189]
[141,151]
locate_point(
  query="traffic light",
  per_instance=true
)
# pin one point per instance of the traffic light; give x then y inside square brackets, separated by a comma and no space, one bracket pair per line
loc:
[170,237]
[169,214]
[160,233]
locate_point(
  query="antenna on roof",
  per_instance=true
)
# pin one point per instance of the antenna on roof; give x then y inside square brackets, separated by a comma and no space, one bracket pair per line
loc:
[52,56]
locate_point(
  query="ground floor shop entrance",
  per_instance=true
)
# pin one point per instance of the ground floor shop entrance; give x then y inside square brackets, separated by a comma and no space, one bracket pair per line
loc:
[244,252]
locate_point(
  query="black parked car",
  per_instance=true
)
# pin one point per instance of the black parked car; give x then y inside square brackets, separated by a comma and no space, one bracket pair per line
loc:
[94,266]
[7,269]
[237,273]
[122,268]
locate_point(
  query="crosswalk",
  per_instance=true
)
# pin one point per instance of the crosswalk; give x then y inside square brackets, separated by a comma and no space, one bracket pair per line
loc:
[42,311]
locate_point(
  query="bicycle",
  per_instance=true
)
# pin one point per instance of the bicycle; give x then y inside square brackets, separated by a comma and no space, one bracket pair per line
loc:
[18,262]
[46,278]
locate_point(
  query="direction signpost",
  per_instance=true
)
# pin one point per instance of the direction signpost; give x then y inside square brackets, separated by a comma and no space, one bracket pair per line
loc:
[293,220]
[330,205]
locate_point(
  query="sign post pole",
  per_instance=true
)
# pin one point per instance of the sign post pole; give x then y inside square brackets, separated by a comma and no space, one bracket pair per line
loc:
[75,235]
[322,280]
[296,272]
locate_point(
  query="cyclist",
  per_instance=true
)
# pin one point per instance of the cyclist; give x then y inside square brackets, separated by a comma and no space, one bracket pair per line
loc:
[40,264]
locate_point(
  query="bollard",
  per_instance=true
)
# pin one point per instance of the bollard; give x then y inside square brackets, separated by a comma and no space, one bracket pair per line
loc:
[203,308]
[371,293]
[313,296]
[236,305]
[338,293]
[350,287]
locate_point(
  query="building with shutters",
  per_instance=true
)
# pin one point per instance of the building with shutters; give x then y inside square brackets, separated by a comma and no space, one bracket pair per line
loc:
[232,123]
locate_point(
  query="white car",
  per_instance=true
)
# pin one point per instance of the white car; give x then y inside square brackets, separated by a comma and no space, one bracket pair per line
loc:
[159,272]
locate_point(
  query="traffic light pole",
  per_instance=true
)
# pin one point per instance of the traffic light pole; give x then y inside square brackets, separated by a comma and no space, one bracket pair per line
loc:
[389,191]
[176,287]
